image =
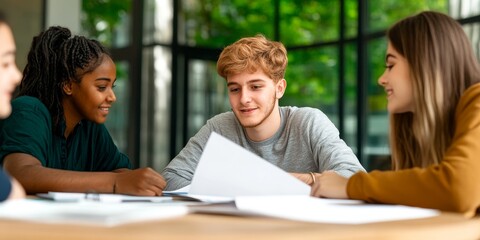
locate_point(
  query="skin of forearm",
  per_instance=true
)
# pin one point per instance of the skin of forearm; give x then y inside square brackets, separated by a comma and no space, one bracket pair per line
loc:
[304,177]
[38,179]
[17,190]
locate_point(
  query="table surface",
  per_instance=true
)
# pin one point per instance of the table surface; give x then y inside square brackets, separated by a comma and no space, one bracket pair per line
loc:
[215,226]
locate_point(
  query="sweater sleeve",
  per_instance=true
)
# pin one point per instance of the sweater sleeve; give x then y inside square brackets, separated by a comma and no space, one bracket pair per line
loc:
[179,172]
[329,150]
[452,185]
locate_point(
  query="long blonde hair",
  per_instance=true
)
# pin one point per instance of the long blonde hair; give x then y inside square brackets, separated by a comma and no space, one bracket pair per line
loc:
[442,66]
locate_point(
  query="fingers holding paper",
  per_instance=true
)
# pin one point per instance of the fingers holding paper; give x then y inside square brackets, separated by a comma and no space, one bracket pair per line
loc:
[143,182]
[329,184]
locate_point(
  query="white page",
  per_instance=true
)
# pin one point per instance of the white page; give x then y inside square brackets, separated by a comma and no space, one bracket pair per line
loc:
[310,209]
[183,190]
[102,197]
[87,212]
[225,169]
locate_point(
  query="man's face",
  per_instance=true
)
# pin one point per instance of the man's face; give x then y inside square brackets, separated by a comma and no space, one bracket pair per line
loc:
[254,97]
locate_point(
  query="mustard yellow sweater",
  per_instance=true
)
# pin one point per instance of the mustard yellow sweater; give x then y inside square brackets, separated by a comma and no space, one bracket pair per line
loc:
[452,185]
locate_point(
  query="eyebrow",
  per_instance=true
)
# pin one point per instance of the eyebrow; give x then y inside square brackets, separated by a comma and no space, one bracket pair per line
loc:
[388,56]
[248,82]
[9,53]
[105,79]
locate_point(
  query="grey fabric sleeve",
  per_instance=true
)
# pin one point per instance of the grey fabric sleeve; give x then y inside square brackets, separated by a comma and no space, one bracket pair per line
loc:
[179,172]
[329,150]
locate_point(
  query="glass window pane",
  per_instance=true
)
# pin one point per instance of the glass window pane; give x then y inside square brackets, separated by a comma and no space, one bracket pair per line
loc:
[312,80]
[308,21]
[118,116]
[107,21]
[351,18]
[377,147]
[216,23]
[350,93]
[157,21]
[464,8]
[473,33]
[207,94]
[383,13]
[155,108]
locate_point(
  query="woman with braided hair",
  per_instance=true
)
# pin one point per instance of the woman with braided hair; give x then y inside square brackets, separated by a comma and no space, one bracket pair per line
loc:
[55,139]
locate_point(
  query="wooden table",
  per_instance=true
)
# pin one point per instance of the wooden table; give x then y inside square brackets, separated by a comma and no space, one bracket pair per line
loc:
[208,226]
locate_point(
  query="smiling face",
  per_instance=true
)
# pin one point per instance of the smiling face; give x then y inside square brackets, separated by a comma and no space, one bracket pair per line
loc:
[254,101]
[92,97]
[10,76]
[397,83]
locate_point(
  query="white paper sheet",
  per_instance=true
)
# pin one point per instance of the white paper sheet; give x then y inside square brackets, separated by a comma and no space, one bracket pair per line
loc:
[179,191]
[310,209]
[227,170]
[102,197]
[87,212]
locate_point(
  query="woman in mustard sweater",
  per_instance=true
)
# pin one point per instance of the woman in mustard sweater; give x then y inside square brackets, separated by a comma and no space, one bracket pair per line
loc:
[431,80]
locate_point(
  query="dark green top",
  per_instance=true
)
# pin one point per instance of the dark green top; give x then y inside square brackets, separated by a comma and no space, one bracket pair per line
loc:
[29,130]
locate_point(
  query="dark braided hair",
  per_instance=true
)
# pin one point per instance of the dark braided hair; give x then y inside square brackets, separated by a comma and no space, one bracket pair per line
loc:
[56,58]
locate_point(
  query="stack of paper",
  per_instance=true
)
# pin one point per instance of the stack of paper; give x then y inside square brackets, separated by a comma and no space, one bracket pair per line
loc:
[310,209]
[87,212]
[103,197]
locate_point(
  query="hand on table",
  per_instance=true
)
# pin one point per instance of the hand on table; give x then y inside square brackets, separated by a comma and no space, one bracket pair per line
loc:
[142,181]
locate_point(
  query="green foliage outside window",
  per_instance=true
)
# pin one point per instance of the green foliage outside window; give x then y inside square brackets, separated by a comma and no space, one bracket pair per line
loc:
[306,22]
[217,23]
[310,29]
[101,18]
[383,13]
[312,73]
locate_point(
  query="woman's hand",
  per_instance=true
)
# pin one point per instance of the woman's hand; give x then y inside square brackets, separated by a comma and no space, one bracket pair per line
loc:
[143,182]
[330,185]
